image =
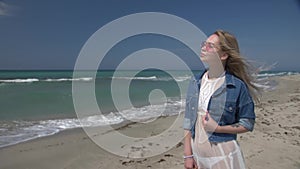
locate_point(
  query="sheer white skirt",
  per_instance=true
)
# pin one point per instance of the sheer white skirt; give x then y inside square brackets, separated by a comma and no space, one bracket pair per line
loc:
[208,155]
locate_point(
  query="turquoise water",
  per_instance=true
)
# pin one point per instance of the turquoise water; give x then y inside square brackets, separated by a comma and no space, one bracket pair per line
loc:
[28,95]
[38,95]
[39,103]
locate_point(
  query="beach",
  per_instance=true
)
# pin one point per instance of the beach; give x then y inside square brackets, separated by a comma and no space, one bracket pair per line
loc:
[274,143]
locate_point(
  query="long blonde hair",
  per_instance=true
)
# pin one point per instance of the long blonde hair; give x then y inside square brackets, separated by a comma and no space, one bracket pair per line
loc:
[236,64]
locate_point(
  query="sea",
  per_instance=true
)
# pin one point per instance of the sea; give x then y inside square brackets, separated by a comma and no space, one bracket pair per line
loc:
[36,104]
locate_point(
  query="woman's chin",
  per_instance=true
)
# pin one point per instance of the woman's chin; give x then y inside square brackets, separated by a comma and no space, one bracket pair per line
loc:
[203,58]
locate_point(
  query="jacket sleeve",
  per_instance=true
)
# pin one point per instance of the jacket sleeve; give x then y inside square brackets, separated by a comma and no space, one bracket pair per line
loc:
[187,115]
[246,114]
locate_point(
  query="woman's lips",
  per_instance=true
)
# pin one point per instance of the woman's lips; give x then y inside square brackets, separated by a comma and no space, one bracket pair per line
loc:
[202,54]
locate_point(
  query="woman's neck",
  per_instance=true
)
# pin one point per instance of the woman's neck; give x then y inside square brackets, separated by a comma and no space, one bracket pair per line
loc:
[215,67]
[215,73]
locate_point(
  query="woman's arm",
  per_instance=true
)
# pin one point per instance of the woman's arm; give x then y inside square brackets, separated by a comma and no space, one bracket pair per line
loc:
[231,129]
[187,143]
[189,162]
[210,125]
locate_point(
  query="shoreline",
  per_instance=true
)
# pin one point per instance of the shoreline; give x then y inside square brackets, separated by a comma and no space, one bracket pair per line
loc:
[45,125]
[72,122]
[273,143]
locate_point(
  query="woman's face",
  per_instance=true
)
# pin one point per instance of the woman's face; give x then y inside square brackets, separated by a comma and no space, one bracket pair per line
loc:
[210,50]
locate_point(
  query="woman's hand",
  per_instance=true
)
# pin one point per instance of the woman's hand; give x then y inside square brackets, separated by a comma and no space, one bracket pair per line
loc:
[190,163]
[209,124]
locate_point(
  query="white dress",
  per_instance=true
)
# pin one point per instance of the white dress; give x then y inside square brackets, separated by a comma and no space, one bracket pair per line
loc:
[224,155]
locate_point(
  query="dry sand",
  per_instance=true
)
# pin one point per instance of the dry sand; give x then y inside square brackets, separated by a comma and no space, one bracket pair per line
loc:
[274,143]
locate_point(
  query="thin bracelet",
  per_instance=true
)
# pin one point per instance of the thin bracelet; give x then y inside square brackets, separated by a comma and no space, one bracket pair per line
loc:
[190,156]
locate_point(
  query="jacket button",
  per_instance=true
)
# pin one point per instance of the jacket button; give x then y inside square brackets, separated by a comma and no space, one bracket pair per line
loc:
[230,108]
[193,108]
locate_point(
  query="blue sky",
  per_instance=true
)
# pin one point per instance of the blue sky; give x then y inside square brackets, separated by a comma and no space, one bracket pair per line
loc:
[50,34]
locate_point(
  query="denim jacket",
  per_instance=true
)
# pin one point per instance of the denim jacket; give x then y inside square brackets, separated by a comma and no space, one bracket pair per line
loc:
[229,104]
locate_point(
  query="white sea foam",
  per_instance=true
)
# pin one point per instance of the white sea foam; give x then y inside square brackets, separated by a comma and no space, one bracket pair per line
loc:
[152,111]
[29,80]
[69,79]
[182,78]
[155,78]
[19,131]
[135,78]
[271,74]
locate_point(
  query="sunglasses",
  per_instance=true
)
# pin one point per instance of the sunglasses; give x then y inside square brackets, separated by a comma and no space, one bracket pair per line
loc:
[208,45]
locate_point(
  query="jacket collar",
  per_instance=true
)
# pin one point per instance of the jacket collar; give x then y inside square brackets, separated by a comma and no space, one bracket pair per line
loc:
[229,78]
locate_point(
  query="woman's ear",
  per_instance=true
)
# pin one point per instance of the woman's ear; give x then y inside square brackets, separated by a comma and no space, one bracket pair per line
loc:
[224,56]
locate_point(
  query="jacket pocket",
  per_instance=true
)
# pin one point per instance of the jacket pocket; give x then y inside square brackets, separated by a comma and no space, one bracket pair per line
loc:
[229,113]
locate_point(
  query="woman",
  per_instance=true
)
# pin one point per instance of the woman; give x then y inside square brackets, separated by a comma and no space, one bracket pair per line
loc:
[219,105]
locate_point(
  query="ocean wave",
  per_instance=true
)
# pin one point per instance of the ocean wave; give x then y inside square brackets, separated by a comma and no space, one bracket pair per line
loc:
[87,79]
[13,132]
[150,112]
[154,78]
[144,78]
[69,79]
[271,74]
[20,131]
[183,78]
[135,78]
[29,80]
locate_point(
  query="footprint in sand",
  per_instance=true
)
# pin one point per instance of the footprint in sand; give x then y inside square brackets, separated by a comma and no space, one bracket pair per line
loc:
[161,160]
[168,155]
[179,144]
[127,162]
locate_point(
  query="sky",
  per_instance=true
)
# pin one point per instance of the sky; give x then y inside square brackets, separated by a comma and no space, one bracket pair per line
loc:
[46,34]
